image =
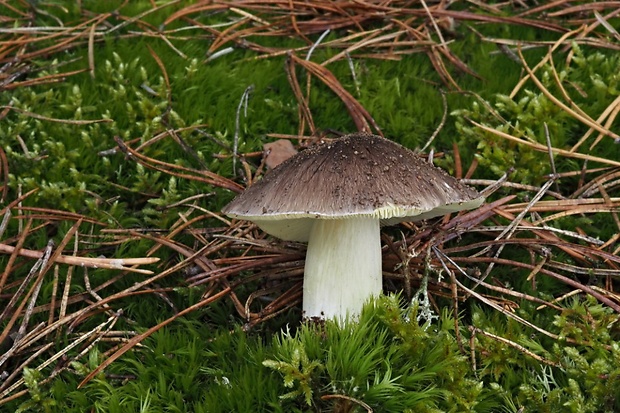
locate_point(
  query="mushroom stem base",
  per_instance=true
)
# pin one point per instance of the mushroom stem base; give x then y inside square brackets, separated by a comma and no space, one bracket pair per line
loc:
[343,267]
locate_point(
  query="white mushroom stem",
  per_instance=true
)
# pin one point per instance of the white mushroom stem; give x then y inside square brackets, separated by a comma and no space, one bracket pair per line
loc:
[343,267]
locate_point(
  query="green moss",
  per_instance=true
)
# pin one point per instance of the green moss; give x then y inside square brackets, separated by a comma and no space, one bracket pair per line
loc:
[591,81]
[204,362]
[69,164]
[386,360]
[585,378]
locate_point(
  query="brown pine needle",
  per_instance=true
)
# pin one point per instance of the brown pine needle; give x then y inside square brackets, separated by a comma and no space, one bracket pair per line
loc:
[108,263]
[543,148]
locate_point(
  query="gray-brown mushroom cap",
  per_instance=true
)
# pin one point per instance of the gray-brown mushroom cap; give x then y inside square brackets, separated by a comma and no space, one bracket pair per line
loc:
[358,175]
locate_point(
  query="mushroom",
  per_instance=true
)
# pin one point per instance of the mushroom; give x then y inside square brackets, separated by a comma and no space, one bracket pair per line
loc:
[335,196]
